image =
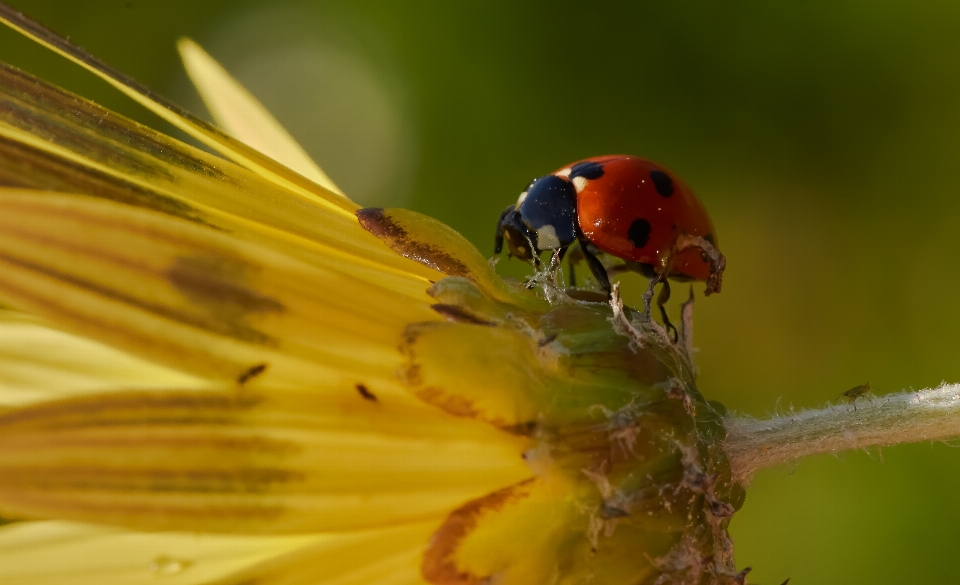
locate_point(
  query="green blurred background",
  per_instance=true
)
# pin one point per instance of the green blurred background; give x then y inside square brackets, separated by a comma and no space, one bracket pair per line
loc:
[822,135]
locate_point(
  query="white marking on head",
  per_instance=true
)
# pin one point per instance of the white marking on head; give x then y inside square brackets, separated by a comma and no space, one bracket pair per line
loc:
[579,183]
[547,238]
[563,173]
[522,197]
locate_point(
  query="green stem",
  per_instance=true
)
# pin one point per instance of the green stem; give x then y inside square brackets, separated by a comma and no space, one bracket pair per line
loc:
[907,417]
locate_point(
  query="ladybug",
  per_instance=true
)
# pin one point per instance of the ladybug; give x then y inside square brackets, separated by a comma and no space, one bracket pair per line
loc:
[621,205]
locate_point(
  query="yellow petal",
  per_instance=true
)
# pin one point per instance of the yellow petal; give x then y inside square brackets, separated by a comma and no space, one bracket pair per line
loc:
[437,245]
[277,462]
[384,557]
[242,115]
[189,296]
[210,136]
[66,553]
[50,139]
[39,363]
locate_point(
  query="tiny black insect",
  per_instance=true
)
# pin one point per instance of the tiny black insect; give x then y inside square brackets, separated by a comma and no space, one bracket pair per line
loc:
[251,373]
[366,393]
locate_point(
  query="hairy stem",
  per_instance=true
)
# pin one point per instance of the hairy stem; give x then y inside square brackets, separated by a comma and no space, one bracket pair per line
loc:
[927,415]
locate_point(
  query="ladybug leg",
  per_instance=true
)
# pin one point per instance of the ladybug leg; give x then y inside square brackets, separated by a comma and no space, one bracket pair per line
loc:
[561,254]
[571,261]
[662,299]
[660,277]
[575,256]
[553,266]
[596,268]
[558,256]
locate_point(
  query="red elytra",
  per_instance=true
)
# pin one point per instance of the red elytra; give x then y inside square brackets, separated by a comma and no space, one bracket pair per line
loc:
[626,193]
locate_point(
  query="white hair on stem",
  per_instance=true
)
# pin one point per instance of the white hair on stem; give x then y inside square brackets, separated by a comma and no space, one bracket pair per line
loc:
[906,417]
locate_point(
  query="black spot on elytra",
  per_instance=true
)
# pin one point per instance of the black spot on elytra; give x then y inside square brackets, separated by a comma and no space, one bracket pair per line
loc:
[709,238]
[639,232]
[588,170]
[662,182]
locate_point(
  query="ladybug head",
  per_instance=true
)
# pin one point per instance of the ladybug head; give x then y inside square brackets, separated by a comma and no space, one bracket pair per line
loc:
[520,238]
[544,218]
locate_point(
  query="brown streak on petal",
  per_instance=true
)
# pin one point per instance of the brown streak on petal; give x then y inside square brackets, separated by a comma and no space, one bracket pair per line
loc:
[237,330]
[411,374]
[439,561]
[91,219]
[459,315]
[376,221]
[147,515]
[453,404]
[524,429]
[25,167]
[84,323]
[66,119]
[84,411]
[152,481]
[133,437]
[217,284]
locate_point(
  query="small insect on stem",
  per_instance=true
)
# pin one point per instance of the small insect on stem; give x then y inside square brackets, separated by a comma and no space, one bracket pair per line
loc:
[856,392]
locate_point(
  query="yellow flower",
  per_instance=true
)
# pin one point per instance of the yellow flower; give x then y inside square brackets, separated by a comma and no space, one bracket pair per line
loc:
[218,369]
